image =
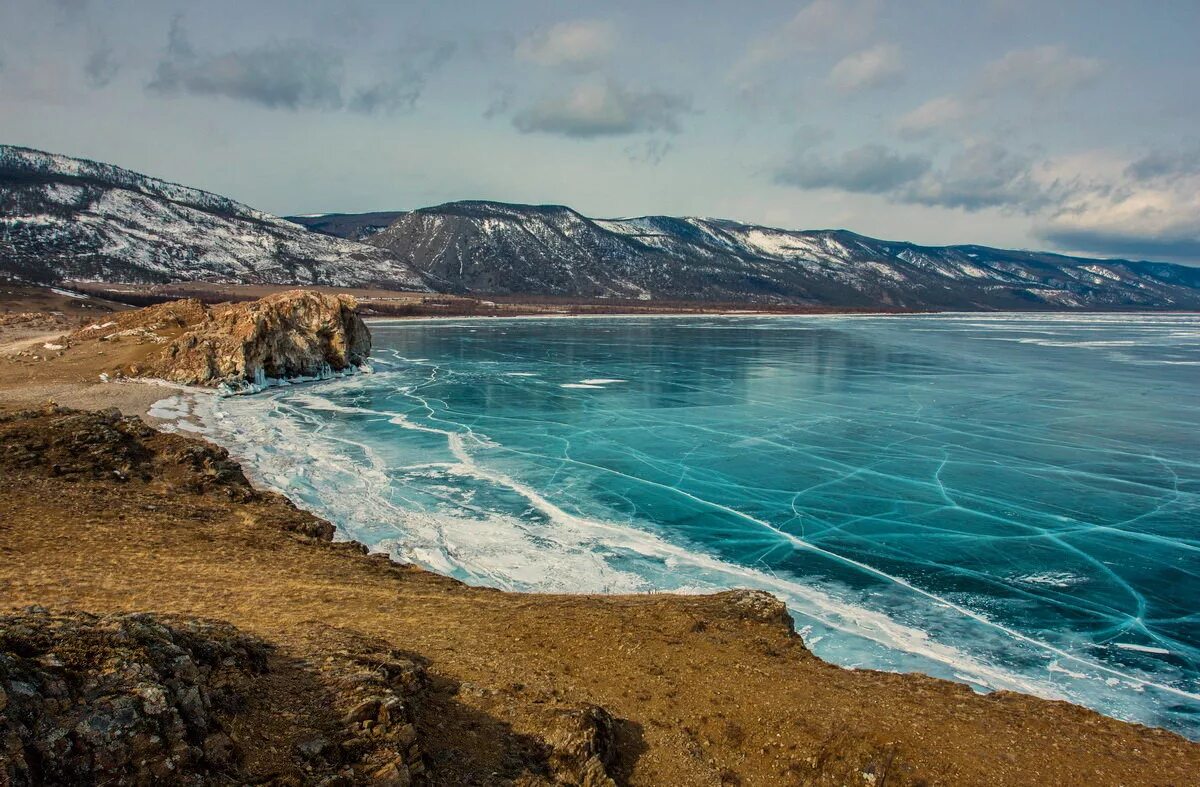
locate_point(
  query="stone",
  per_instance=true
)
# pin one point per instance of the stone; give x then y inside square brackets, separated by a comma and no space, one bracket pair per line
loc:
[100,699]
[584,747]
[287,334]
[394,774]
[367,710]
[317,747]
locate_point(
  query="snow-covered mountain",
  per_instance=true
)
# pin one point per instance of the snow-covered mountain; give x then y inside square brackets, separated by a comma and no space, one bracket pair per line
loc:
[66,218]
[351,226]
[63,217]
[488,247]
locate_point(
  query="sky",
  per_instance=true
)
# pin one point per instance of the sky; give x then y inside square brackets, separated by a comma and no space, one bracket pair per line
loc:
[1048,124]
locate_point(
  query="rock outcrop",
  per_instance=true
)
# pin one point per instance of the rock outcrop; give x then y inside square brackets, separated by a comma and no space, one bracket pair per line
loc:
[299,333]
[120,699]
[136,699]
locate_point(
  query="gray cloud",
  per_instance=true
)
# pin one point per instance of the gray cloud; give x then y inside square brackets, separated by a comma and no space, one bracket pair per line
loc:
[1165,164]
[876,67]
[595,109]
[1123,244]
[982,175]
[409,71]
[651,152]
[1045,71]
[501,102]
[871,169]
[100,67]
[291,75]
[581,45]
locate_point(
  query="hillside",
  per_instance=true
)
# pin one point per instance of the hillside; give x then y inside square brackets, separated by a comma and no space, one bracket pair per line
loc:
[71,219]
[351,226]
[488,247]
[67,218]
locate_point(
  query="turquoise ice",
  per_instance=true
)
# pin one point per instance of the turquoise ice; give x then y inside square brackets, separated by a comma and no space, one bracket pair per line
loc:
[1012,501]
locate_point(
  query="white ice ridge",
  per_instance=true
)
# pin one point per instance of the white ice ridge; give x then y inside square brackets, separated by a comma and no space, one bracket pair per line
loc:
[443,543]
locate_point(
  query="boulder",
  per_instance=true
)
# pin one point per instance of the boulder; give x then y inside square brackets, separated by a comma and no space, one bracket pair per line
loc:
[298,333]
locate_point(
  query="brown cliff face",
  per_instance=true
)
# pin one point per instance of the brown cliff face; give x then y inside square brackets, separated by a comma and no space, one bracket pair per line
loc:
[288,334]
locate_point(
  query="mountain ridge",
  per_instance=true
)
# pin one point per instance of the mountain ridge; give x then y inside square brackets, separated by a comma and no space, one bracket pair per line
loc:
[70,218]
[64,218]
[489,247]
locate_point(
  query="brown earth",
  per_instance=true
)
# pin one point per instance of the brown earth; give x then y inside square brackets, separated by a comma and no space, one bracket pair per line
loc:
[99,515]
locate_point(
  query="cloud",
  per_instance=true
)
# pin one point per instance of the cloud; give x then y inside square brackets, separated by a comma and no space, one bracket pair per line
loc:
[1040,74]
[1165,164]
[871,169]
[290,75]
[1046,72]
[409,70]
[876,67]
[1146,207]
[650,152]
[581,45]
[934,115]
[502,100]
[100,67]
[594,109]
[981,175]
[1142,222]
[819,25]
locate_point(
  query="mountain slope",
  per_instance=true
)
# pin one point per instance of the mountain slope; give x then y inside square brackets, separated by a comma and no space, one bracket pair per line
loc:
[351,226]
[62,217]
[487,247]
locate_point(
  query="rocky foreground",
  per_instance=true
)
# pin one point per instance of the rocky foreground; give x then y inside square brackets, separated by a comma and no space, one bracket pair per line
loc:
[161,621]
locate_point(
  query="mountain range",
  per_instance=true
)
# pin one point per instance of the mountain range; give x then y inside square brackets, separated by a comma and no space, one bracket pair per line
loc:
[63,218]
[66,218]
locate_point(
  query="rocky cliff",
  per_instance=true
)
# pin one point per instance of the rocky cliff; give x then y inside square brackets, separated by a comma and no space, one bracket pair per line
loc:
[288,334]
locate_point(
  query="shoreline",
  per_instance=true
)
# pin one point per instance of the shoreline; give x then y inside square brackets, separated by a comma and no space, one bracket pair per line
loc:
[725,666]
[981,676]
[374,319]
[704,685]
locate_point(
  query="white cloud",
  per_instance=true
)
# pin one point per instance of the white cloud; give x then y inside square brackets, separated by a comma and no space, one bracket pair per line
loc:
[871,68]
[1040,74]
[595,109]
[580,45]
[1045,71]
[1148,207]
[820,24]
[934,115]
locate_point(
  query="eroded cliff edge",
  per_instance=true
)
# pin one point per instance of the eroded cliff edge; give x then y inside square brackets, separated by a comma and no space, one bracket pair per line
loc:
[298,333]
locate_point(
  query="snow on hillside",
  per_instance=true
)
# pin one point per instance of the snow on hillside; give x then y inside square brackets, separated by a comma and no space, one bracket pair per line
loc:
[69,218]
